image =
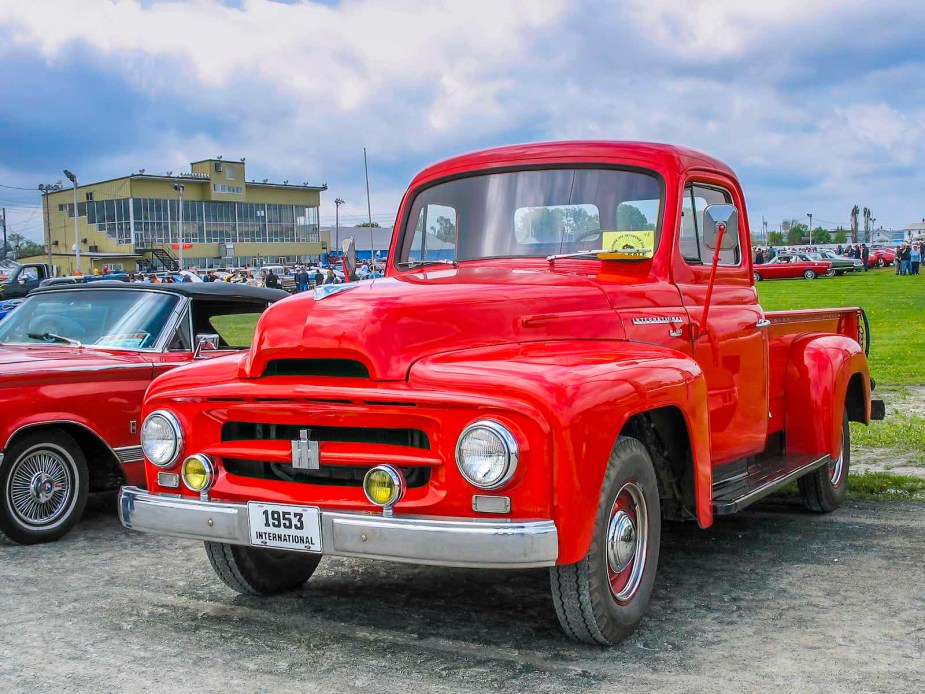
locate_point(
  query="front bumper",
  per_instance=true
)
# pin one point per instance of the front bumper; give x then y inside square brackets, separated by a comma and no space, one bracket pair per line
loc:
[466,542]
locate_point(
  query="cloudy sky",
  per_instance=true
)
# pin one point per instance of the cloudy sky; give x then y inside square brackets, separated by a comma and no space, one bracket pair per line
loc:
[817,104]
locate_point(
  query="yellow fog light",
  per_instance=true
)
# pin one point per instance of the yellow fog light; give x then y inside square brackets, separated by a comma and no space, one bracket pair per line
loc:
[198,473]
[384,486]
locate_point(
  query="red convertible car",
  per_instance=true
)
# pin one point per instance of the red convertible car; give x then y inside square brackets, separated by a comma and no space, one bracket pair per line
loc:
[75,362]
[791,265]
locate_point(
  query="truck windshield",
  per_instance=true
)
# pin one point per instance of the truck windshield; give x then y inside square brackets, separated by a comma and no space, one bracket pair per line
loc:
[534,213]
[121,319]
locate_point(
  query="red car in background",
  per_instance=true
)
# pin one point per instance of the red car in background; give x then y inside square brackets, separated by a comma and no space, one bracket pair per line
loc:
[881,257]
[790,266]
[75,362]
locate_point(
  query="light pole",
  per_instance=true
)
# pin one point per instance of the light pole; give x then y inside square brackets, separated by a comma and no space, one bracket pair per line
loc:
[47,188]
[180,188]
[337,203]
[810,215]
[72,177]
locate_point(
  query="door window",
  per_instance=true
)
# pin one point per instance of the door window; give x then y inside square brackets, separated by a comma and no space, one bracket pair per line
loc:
[696,198]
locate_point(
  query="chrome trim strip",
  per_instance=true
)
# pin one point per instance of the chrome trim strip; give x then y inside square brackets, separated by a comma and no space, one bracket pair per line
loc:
[129,454]
[463,542]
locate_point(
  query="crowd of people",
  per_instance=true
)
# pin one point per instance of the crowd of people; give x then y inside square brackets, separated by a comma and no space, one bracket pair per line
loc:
[908,258]
[906,261]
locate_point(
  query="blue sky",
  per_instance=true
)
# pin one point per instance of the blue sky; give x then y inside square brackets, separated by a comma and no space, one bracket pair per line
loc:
[817,104]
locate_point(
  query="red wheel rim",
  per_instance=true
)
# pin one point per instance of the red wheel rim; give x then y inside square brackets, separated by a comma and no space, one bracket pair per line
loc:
[627,538]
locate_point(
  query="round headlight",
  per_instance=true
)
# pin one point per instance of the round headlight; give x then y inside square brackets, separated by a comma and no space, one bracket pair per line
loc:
[487,454]
[198,473]
[384,486]
[161,438]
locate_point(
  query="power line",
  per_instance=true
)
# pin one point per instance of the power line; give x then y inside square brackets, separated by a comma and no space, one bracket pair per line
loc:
[3,185]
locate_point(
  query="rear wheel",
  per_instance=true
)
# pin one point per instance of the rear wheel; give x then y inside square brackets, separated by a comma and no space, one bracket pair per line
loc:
[260,571]
[809,274]
[758,277]
[831,273]
[881,262]
[601,598]
[44,482]
[824,489]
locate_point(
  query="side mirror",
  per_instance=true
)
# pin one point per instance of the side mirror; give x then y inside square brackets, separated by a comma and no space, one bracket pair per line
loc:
[205,342]
[713,217]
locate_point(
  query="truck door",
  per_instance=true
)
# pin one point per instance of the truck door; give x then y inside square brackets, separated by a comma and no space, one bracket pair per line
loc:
[733,352]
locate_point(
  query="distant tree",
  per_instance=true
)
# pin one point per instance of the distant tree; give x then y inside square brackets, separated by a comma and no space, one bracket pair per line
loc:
[796,234]
[775,238]
[444,229]
[840,236]
[631,218]
[29,249]
[821,235]
[374,225]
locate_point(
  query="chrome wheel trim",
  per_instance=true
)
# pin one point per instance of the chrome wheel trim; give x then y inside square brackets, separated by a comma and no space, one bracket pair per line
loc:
[627,541]
[837,467]
[41,488]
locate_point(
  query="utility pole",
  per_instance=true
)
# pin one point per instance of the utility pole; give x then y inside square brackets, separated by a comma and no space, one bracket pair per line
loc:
[180,188]
[369,214]
[810,215]
[46,189]
[337,203]
[72,177]
[3,255]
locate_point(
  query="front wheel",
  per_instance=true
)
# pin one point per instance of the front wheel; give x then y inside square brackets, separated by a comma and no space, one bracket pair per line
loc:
[824,489]
[44,482]
[757,276]
[831,273]
[601,598]
[881,262]
[809,274]
[260,571]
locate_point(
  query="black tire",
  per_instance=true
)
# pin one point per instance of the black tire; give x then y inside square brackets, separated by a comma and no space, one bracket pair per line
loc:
[586,602]
[881,262]
[758,277]
[809,274]
[824,489]
[260,571]
[43,487]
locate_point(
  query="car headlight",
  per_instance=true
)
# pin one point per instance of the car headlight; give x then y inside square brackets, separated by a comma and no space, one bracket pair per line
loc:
[198,473]
[487,454]
[161,438]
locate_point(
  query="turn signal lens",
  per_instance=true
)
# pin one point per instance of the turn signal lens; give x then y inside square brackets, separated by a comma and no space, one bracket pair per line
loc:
[384,486]
[198,473]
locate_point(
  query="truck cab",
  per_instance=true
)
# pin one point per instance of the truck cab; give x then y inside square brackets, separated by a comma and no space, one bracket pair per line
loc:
[23,278]
[567,348]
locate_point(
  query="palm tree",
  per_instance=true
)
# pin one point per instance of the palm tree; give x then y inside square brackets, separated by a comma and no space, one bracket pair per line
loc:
[854,223]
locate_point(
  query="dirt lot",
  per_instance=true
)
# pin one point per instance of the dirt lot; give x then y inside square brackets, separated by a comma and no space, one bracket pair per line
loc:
[771,599]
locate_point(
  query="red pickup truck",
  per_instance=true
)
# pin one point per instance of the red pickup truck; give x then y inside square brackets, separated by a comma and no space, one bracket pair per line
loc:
[566,349]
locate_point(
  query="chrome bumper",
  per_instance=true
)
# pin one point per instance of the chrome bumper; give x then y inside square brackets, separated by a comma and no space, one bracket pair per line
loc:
[467,542]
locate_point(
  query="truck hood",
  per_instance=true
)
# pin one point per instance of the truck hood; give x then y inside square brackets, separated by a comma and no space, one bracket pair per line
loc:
[387,324]
[32,359]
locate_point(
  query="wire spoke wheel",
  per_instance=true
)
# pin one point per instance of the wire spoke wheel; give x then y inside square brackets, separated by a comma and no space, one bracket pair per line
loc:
[41,486]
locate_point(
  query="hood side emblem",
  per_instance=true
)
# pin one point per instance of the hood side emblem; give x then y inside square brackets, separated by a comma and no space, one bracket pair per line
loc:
[306,455]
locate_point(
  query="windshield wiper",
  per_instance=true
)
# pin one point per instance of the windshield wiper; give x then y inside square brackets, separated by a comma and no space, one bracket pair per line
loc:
[52,337]
[422,263]
[633,252]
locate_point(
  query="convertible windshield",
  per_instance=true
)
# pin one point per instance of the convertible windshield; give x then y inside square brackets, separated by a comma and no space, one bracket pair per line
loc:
[534,213]
[122,319]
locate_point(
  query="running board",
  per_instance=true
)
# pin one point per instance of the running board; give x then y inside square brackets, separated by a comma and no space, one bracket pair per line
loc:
[735,494]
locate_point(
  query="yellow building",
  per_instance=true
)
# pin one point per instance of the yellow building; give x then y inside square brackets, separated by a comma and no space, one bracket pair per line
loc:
[133,223]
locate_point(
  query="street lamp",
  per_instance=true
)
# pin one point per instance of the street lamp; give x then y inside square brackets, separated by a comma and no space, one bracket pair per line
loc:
[47,188]
[337,203]
[72,177]
[810,215]
[180,188]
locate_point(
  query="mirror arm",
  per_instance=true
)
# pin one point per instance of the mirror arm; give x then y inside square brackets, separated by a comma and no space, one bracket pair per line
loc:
[720,230]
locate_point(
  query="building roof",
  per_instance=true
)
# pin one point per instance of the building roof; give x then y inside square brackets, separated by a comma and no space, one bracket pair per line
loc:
[212,290]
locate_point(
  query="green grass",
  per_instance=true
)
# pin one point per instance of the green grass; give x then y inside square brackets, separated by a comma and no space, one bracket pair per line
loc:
[882,485]
[904,434]
[894,305]
[238,330]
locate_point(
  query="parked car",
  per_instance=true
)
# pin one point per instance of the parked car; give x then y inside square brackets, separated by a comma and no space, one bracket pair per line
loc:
[7,306]
[840,265]
[789,265]
[575,374]
[881,257]
[74,364]
[22,279]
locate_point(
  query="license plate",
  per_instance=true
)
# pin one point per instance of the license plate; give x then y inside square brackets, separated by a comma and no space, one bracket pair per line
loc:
[282,526]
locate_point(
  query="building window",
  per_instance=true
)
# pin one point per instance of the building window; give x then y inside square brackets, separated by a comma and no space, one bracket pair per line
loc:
[222,188]
[229,173]
[90,196]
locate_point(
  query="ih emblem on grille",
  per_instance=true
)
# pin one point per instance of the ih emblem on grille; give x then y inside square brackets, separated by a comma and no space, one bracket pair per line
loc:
[306,455]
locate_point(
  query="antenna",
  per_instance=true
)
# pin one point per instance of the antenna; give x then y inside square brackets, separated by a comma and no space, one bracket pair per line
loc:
[369,213]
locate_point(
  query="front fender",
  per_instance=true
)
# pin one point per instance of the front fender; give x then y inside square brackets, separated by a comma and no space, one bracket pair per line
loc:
[587,391]
[819,369]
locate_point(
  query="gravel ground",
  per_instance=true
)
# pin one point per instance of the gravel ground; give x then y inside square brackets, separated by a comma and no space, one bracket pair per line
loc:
[770,599]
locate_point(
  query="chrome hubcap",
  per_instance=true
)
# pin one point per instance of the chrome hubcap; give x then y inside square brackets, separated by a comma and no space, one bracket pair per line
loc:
[627,537]
[836,467]
[41,487]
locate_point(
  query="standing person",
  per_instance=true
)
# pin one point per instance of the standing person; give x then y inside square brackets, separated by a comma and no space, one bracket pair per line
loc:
[905,258]
[331,278]
[759,257]
[839,250]
[915,259]
[271,281]
[302,279]
[865,255]
[897,259]
[319,278]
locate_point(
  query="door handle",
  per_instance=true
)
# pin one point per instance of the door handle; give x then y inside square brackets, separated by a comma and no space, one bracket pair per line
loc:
[763,323]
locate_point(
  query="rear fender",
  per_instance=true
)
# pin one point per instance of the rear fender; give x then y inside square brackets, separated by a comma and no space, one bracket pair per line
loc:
[587,391]
[819,369]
